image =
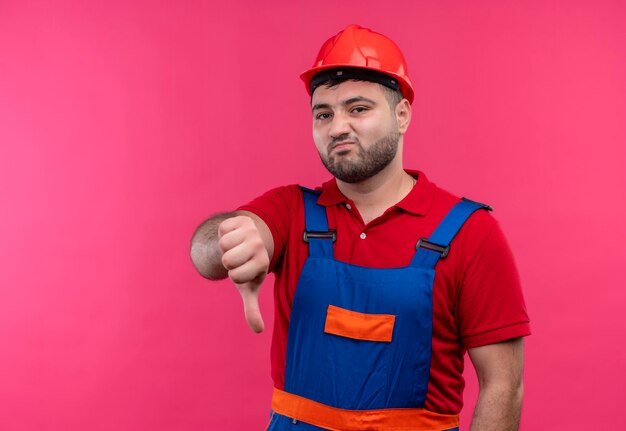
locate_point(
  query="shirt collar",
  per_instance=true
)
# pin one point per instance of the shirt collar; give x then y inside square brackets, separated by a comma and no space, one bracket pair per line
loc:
[418,201]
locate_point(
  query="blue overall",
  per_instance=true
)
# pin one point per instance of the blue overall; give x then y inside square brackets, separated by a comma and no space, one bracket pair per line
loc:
[357,374]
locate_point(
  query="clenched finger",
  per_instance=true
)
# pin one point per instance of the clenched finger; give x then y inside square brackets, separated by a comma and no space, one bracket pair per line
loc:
[251,270]
[237,256]
[231,239]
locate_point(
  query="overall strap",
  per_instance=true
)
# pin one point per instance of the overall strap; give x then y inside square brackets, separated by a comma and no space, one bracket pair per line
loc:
[316,232]
[437,246]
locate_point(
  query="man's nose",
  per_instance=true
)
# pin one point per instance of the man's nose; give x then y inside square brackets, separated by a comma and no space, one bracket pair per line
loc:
[340,125]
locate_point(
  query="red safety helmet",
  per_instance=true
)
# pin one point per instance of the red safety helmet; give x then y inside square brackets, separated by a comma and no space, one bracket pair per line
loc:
[359,47]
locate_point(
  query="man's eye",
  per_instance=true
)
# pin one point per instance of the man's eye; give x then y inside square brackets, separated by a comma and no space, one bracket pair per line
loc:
[322,116]
[359,109]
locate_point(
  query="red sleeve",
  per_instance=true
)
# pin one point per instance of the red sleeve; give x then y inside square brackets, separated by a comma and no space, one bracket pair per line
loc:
[491,304]
[275,209]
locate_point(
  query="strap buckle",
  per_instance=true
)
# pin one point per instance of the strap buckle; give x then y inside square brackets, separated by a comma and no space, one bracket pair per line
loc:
[331,234]
[424,243]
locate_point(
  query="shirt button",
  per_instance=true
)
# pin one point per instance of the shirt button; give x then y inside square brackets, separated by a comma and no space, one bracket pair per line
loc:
[349,206]
[362,236]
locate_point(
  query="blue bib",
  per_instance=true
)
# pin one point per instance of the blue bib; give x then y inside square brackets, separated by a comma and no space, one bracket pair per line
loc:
[361,338]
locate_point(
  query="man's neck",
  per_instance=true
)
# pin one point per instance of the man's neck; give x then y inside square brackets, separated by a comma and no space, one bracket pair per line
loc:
[375,195]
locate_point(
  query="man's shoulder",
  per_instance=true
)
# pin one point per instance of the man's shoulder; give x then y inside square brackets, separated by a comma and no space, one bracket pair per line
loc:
[478,225]
[285,193]
[285,199]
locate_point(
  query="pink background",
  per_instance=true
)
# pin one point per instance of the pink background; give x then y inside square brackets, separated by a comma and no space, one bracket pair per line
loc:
[123,124]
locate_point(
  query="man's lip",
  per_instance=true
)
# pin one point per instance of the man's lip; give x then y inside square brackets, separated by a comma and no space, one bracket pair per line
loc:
[340,145]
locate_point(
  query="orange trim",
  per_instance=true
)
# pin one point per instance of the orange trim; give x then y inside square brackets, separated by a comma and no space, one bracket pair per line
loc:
[360,326]
[334,419]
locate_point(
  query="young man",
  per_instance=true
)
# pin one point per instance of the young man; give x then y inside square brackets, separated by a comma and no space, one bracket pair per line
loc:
[383,280]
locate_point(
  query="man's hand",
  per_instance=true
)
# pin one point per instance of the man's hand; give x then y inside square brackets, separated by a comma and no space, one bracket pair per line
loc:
[245,256]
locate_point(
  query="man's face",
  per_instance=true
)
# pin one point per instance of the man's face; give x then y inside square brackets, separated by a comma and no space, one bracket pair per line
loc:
[354,129]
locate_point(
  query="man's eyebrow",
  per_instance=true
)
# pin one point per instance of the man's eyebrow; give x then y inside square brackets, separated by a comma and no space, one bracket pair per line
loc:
[344,103]
[357,99]
[320,106]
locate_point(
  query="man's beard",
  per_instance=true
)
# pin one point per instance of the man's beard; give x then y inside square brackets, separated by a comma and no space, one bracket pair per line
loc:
[368,163]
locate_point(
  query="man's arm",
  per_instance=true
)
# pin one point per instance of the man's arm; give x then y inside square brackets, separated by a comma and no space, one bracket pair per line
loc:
[499,368]
[238,245]
[205,252]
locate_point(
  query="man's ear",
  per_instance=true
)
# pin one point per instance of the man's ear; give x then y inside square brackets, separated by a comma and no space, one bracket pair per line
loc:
[403,115]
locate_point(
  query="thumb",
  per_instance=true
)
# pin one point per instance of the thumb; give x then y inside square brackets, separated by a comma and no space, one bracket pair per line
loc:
[250,295]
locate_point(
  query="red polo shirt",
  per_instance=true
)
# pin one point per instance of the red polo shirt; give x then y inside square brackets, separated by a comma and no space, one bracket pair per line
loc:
[477,297]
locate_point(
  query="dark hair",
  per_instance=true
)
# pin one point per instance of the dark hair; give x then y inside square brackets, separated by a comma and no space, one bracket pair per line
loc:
[393,96]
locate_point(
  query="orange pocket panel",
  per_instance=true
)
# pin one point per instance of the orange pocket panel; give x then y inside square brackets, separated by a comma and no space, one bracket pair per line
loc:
[360,326]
